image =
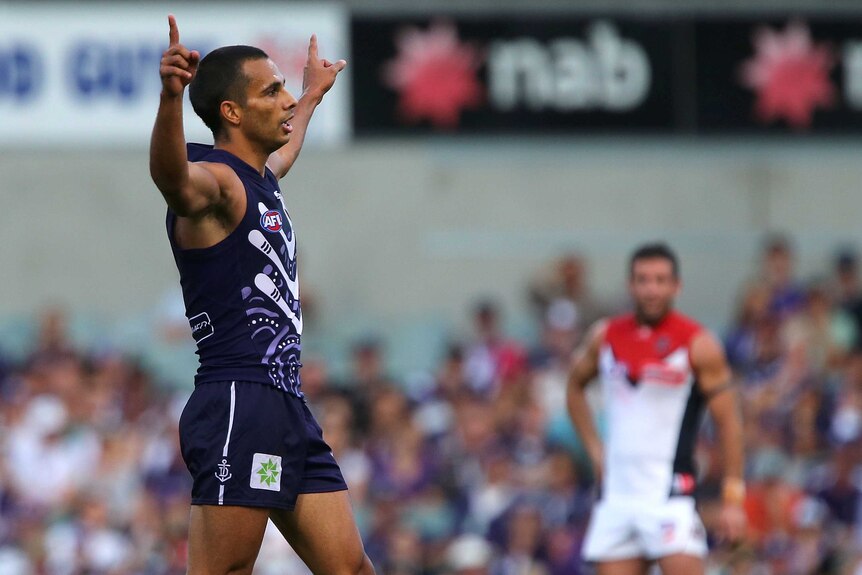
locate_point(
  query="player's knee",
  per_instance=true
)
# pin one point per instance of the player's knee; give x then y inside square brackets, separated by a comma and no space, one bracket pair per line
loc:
[358,566]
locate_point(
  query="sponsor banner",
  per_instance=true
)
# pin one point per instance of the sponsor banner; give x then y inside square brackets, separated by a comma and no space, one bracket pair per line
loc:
[87,73]
[797,74]
[607,75]
[530,75]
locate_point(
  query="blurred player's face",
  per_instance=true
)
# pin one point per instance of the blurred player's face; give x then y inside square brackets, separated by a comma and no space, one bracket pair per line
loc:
[269,106]
[653,287]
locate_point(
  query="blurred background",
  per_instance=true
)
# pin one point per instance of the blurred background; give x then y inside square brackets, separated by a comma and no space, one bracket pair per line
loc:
[466,202]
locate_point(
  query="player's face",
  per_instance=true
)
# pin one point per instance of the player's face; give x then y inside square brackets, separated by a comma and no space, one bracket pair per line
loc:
[653,288]
[269,106]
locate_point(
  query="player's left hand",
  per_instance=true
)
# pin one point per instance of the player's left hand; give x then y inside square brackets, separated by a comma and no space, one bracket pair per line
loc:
[319,74]
[732,523]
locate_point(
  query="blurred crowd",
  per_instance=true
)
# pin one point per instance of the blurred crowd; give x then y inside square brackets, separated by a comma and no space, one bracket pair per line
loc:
[475,472]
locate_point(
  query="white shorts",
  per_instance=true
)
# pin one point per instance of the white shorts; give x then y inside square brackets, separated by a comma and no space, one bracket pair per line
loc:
[624,530]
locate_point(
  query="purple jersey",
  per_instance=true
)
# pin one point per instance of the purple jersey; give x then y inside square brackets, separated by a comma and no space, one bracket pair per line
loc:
[242,294]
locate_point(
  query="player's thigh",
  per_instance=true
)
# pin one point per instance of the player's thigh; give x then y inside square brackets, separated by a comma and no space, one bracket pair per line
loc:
[224,539]
[680,564]
[322,531]
[633,566]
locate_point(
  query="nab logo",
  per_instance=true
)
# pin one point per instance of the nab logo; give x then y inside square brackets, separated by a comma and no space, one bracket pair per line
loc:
[271,221]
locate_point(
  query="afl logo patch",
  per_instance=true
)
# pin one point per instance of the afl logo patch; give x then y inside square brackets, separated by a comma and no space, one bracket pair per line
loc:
[271,221]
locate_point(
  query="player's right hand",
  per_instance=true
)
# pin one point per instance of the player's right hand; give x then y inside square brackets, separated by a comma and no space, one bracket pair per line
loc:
[179,64]
[732,523]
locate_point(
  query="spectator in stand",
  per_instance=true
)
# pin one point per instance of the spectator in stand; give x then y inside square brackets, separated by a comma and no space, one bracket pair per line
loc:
[770,504]
[820,334]
[566,279]
[523,546]
[844,423]
[469,555]
[752,314]
[778,272]
[550,359]
[490,351]
[848,288]
[367,380]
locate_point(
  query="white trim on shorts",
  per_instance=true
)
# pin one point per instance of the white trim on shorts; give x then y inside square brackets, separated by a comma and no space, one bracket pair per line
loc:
[227,439]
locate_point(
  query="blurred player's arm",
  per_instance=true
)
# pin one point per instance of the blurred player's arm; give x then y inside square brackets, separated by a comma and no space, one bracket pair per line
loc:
[715,380]
[317,78]
[584,369]
[189,189]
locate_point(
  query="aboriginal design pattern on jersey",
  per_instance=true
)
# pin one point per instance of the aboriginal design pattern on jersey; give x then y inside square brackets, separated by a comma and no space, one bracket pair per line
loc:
[273,308]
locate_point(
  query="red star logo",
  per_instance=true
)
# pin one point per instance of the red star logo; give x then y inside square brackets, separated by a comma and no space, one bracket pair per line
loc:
[435,75]
[790,75]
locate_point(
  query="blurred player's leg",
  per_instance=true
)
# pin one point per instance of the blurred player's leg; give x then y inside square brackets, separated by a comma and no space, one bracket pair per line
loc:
[323,533]
[224,539]
[680,564]
[633,566]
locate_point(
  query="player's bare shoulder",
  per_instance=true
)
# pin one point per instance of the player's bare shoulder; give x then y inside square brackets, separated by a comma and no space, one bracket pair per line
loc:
[706,349]
[709,362]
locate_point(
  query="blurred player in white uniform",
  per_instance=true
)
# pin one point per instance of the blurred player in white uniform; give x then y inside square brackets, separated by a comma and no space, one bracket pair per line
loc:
[658,370]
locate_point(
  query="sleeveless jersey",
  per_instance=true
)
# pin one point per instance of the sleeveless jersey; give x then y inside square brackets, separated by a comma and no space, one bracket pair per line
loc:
[242,294]
[654,407]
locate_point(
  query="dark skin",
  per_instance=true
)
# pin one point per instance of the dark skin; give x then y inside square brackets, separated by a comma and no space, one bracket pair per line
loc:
[653,287]
[267,129]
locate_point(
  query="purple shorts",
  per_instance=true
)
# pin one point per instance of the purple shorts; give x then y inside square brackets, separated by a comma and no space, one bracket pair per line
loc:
[252,445]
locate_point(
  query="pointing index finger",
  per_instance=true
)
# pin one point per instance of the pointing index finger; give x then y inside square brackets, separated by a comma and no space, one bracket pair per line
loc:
[312,47]
[174,33]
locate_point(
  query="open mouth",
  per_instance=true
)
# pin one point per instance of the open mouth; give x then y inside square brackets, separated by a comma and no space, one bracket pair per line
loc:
[286,127]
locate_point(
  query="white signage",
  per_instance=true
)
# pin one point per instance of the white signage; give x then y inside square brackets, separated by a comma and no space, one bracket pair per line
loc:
[605,71]
[88,73]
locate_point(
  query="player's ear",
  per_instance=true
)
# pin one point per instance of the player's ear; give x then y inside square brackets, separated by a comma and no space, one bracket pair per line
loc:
[231,112]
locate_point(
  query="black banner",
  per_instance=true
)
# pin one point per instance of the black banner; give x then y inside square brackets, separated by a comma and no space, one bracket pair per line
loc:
[778,76]
[506,75]
[606,75]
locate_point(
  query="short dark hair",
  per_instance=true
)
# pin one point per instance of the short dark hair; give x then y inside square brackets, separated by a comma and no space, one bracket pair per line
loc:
[219,78]
[653,251]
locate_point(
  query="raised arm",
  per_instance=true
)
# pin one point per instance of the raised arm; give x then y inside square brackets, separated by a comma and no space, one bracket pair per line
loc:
[318,77]
[584,369]
[715,381]
[188,189]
